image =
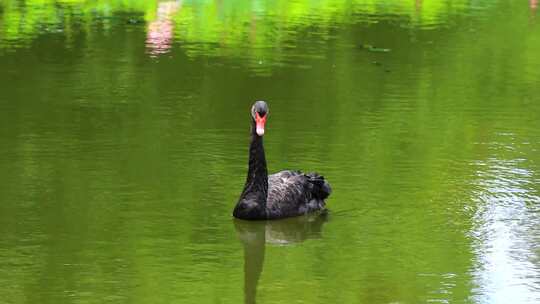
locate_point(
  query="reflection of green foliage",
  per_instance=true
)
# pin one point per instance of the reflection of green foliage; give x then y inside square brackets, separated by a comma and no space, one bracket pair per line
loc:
[22,22]
[258,31]
[232,23]
[237,22]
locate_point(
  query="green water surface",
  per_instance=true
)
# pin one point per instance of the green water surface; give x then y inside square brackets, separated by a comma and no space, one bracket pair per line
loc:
[124,129]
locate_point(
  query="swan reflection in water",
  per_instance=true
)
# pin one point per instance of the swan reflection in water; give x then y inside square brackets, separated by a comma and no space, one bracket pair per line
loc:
[255,235]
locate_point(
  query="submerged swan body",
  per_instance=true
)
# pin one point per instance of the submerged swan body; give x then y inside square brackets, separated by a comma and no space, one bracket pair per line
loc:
[284,194]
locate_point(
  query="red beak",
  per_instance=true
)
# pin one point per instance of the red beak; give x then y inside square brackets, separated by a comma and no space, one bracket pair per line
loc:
[260,122]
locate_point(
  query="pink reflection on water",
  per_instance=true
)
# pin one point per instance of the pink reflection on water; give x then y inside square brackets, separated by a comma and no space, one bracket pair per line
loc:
[418,5]
[160,31]
[533,5]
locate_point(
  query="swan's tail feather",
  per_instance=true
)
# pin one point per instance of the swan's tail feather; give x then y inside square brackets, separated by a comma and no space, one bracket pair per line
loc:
[321,188]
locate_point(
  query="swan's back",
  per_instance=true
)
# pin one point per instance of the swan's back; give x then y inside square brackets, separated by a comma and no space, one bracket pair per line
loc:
[292,193]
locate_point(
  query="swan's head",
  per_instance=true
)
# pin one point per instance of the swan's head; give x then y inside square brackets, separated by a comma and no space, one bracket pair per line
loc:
[259,113]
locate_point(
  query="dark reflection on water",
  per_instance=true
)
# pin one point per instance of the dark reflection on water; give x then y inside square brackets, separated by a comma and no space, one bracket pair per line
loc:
[256,235]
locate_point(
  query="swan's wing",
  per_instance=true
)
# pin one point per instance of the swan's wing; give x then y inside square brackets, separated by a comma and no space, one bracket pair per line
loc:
[293,193]
[286,186]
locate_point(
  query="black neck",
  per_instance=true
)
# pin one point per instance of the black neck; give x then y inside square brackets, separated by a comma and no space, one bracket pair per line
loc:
[257,179]
[252,203]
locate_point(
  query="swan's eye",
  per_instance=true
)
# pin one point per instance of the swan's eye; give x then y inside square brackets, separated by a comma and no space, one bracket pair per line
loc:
[253,111]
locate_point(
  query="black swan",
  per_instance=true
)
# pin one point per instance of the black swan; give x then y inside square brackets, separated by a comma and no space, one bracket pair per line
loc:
[284,194]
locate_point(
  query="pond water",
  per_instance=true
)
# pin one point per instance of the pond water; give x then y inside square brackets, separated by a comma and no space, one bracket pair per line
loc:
[124,133]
